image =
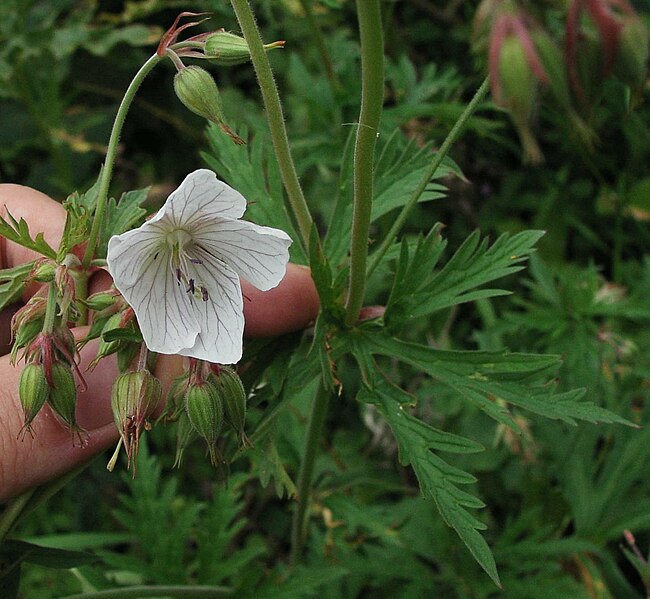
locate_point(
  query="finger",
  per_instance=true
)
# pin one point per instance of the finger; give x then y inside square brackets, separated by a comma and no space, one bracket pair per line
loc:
[290,306]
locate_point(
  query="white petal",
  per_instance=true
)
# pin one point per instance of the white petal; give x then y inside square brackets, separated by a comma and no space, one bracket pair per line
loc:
[221,317]
[161,305]
[201,195]
[128,252]
[259,254]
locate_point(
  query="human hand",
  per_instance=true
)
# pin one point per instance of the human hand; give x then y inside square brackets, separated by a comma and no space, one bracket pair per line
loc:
[49,453]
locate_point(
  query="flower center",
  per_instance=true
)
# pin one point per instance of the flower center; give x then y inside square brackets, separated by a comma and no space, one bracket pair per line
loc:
[181,262]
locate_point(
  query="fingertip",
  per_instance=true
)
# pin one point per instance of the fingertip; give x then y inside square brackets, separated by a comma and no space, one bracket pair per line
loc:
[290,306]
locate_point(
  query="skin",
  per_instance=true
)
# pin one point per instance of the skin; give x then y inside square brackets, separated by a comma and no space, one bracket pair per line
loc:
[30,461]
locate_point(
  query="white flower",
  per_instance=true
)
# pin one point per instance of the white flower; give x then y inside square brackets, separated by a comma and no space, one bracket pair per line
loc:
[180,270]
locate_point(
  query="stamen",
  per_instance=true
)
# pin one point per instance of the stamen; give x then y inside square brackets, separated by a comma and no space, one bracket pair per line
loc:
[204,294]
[196,261]
[179,276]
[191,289]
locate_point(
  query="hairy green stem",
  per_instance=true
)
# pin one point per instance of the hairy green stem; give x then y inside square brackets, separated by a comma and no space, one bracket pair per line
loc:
[372,100]
[314,431]
[176,591]
[275,118]
[451,138]
[111,153]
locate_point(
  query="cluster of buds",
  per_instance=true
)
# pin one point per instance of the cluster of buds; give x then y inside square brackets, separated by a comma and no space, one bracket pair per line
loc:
[46,344]
[204,399]
[48,378]
[194,86]
[603,37]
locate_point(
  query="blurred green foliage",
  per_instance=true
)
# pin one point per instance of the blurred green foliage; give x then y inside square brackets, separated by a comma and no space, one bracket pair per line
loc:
[558,497]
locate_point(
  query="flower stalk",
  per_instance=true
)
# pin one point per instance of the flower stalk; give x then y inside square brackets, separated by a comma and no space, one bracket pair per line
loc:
[111,153]
[275,117]
[372,99]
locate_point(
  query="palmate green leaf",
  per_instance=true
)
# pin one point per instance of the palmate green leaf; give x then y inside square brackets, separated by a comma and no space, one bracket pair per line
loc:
[438,480]
[418,289]
[391,402]
[253,171]
[18,232]
[493,380]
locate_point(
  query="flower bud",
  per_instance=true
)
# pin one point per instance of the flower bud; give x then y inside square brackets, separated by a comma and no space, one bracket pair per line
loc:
[197,90]
[34,309]
[233,396]
[205,411]
[25,334]
[33,391]
[134,398]
[515,71]
[517,82]
[43,271]
[66,285]
[227,49]
[102,300]
[63,395]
